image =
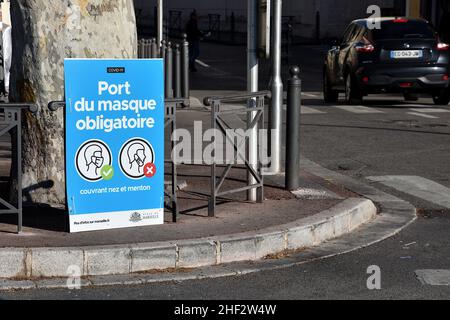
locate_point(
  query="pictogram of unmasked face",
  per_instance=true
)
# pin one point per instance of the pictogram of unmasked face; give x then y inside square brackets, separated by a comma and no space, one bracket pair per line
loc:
[136,157]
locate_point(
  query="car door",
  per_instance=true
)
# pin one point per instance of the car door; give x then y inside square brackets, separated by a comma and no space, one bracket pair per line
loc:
[333,58]
[344,51]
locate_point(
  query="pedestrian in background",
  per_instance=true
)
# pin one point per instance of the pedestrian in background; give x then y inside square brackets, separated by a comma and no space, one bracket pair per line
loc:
[193,37]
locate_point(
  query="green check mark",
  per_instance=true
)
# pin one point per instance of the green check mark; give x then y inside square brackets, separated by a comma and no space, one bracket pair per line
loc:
[107,172]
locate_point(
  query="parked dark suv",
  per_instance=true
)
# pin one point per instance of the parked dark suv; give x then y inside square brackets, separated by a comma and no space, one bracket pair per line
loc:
[392,55]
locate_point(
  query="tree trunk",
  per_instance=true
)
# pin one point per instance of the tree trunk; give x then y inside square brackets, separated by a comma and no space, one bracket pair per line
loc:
[44,34]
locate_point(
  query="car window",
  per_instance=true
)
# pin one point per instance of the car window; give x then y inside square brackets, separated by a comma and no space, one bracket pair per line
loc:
[403,30]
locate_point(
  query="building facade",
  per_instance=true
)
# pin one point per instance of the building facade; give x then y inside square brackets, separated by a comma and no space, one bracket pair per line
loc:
[308,19]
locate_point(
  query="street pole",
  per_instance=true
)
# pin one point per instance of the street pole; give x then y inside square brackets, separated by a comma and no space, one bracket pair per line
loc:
[276,85]
[252,86]
[160,18]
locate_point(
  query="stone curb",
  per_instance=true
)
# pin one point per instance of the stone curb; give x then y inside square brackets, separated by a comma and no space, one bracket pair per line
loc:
[395,215]
[38,263]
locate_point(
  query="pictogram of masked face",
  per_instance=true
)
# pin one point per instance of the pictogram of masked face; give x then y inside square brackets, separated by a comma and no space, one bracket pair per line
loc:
[94,159]
[136,156]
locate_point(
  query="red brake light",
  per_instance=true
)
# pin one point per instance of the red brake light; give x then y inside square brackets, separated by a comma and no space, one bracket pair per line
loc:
[443,46]
[401,20]
[365,48]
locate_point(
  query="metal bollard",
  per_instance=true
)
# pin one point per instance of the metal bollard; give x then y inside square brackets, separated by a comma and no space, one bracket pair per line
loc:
[185,88]
[146,48]
[141,49]
[154,49]
[294,92]
[162,50]
[169,71]
[177,72]
[152,52]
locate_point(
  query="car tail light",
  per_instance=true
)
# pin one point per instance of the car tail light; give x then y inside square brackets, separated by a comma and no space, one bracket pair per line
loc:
[365,79]
[365,47]
[445,77]
[443,46]
[406,85]
[401,20]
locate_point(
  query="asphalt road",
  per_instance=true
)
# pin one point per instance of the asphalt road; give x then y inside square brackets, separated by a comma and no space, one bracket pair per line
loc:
[404,148]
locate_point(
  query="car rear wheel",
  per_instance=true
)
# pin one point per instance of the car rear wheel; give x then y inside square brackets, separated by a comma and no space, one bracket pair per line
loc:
[352,93]
[442,98]
[329,95]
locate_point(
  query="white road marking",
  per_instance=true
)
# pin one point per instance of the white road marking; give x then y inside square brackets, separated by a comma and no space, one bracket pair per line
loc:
[202,63]
[409,105]
[312,95]
[309,110]
[419,187]
[423,115]
[430,110]
[434,277]
[359,109]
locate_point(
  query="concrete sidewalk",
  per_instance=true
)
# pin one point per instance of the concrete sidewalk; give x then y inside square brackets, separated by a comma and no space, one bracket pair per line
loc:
[240,231]
[46,262]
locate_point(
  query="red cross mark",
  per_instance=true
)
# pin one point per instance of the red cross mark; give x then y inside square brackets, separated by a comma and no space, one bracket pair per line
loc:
[149,170]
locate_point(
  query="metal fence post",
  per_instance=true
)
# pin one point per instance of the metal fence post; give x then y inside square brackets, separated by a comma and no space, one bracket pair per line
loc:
[169,70]
[185,68]
[177,71]
[19,172]
[213,200]
[292,128]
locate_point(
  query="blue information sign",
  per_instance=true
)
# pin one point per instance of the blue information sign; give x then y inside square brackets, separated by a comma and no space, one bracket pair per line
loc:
[114,143]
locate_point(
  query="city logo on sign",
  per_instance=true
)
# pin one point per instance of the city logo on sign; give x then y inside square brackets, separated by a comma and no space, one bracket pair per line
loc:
[136,217]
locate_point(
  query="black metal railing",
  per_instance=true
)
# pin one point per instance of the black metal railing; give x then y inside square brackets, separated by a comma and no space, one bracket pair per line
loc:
[11,123]
[254,111]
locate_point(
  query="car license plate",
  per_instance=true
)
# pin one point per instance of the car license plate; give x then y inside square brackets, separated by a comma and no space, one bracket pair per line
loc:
[407,54]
